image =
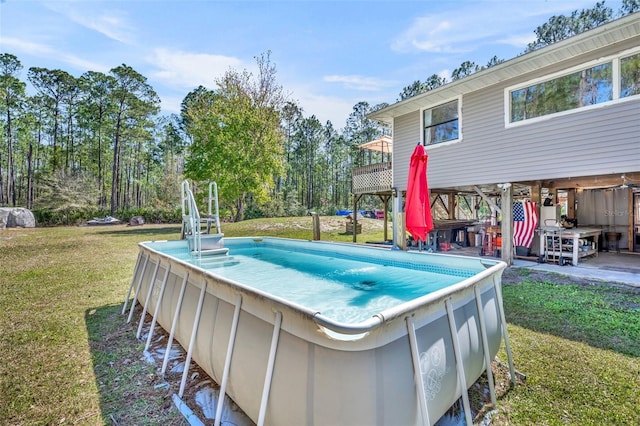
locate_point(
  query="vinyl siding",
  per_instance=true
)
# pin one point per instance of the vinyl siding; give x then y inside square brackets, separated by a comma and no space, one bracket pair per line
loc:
[590,142]
[406,131]
[595,141]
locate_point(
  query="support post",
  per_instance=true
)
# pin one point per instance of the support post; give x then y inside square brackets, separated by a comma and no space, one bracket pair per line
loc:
[316,225]
[396,206]
[227,361]
[133,279]
[174,323]
[147,299]
[451,205]
[417,372]
[270,364]
[462,380]
[135,295]
[507,223]
[505,333]
[192,341]
[485,344]
[356,198]
[385,202]
[157,310]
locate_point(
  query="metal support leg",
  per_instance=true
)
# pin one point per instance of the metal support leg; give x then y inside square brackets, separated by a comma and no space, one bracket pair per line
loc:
[505,333]
[165,362]
[485,345]
[462,380]
[135,296]
[147,299]
[194,331]
[227,361]
[270,365]
[133,279]
[157,310]
[417,372]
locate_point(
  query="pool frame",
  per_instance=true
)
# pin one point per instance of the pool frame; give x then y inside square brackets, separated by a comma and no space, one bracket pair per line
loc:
[284,363]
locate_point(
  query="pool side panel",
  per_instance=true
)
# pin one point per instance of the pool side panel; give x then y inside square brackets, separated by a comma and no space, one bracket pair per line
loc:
[318,379]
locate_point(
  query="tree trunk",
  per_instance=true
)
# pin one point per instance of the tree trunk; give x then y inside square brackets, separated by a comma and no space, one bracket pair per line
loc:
[30,175]
[138,176]
[11,180]
[240,209]
[115,170]
[2,197]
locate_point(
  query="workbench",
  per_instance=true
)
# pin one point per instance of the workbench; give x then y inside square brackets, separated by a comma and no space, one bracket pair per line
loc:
[562,243]
[448,231]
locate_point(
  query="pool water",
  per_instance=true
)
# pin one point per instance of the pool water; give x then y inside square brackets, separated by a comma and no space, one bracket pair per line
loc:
[340,287]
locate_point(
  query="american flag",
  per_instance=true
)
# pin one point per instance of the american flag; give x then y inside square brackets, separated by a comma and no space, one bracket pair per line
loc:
[525,221]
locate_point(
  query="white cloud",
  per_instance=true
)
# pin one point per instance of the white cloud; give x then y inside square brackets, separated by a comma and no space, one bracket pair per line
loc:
[83,64]
[112,24]
[45,51]
[326,108]
[358,82]
[437,33]
[520,41]
[26,47]
[329,107]
[187,69]
[464,29]
[171,104]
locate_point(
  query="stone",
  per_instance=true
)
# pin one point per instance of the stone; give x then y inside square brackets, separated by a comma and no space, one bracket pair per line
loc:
[136,221]
[16,217]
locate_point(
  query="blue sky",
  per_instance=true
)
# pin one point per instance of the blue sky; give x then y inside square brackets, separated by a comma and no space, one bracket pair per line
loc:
[329,55]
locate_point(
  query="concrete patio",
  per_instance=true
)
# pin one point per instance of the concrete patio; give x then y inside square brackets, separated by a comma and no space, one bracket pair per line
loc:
[623,267]
[606,266]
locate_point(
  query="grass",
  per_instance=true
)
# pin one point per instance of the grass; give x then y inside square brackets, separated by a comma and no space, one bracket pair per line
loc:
[67,355]
[578,342]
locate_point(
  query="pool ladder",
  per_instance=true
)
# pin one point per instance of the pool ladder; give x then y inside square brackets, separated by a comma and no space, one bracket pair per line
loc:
[201,242]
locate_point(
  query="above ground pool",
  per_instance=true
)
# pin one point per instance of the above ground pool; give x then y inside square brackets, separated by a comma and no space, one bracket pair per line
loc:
[308,332]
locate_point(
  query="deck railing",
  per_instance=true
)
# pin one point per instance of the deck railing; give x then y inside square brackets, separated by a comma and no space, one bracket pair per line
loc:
[372,178]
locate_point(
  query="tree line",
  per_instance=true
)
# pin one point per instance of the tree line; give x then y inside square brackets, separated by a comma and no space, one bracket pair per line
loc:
[557,28]
[96,144]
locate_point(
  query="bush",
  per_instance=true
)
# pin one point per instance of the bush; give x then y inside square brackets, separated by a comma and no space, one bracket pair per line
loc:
[79,216]
[151,215]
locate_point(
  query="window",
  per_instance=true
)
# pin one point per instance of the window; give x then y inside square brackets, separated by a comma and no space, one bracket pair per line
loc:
[630,76]
[582,88]
[441,123]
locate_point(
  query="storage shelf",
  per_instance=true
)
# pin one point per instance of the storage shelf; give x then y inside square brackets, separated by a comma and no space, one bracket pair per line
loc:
[558,245]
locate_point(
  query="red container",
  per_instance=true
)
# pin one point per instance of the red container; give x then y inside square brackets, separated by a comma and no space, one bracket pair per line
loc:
[445,246]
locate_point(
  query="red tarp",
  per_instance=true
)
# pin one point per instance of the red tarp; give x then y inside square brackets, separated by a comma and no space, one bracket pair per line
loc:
[418,206]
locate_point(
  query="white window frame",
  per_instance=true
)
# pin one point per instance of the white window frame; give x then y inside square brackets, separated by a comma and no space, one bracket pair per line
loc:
[615,76]
[435,105]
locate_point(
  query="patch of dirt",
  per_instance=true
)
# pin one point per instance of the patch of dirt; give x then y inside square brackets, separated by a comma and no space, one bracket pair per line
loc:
[327,224]
[169,384]
[516,275]
[131,390]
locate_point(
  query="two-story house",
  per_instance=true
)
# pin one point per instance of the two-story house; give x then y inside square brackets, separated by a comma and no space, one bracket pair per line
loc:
[564,119]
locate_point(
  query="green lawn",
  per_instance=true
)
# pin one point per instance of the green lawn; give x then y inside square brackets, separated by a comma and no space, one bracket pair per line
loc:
[578,344]
[67,355]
